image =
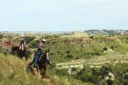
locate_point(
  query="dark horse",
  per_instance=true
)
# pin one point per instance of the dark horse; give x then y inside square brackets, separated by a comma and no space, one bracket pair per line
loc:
[14,49]
[21,53]
[42,64]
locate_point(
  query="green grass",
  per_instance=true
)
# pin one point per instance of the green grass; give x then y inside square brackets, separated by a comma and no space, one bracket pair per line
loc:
[13,72]
[65,49]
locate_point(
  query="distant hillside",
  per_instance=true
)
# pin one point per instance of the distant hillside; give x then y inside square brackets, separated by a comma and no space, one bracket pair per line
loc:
[88,32]
[106,32]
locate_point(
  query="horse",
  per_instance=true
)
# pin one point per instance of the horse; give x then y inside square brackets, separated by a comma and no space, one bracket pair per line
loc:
[42,64]
[24,52]
[14,49]
[21,53]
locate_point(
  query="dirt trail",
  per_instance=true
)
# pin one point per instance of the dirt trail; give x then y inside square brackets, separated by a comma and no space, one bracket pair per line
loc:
[49,81]
[8,44]
[95,62]
[46,78]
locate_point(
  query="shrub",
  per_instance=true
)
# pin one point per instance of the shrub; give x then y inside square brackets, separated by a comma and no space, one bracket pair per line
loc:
[86,76]
[1,36]
[69,56]
[105,48]
[28,39]
[67,51]
[91,37]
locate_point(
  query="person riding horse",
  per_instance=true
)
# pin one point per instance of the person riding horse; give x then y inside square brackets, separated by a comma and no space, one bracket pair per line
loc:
[22,43]
[23,49]
[39,52]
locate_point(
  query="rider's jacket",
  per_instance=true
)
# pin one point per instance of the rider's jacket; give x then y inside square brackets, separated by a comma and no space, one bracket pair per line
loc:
[41,46]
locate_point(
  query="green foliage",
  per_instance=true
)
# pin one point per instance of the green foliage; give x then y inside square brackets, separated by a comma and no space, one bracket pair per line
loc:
[34,44]
[86,75]
[29,39]
[1,36]
[65,49]
[97,75]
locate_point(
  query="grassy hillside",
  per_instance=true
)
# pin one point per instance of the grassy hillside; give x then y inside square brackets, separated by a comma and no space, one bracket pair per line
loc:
[13,72]
[67,49]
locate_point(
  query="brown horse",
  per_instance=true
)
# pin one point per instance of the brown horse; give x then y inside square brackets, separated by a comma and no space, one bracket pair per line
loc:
[41,65]
[14,49]
[24,53]
[21,53]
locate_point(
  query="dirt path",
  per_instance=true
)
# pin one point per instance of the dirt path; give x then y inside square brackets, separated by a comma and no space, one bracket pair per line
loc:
[95,62]
[49,81]
[8,44]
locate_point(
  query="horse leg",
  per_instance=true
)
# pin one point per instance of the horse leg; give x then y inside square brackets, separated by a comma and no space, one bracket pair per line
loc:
[35,70]
[26,57]
[39,72]
[19,54]
[12,51]
[44,72]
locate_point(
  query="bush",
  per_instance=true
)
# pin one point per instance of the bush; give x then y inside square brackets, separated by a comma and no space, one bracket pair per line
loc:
[1,36]
[69,56]
[34,44]
[61,72]
[105,48]
[86,76]
[67,51]
[91,37]
[28,39]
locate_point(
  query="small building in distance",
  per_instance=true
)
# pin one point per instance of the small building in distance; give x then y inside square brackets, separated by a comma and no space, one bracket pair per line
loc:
[80,34]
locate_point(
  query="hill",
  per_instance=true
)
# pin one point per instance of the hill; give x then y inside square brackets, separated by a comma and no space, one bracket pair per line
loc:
[101,56]
[13,72]
[106,32]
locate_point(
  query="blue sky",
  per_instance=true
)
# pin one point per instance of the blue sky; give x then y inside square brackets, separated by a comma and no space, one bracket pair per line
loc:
[63,15]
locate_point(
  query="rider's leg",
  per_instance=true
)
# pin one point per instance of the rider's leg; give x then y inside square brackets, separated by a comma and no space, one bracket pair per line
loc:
[37,57]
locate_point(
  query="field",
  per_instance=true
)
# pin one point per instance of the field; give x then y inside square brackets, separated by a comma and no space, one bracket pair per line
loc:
[86,60]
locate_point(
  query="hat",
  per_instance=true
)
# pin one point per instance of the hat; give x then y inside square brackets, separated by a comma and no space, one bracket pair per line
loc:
[44,40]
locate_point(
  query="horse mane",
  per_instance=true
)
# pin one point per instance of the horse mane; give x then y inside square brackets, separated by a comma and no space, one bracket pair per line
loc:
[43,59]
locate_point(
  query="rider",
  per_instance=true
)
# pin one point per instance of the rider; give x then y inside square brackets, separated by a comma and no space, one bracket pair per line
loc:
[39,51]
[22,43]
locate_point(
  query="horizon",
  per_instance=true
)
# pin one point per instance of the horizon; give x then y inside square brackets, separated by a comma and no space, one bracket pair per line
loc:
[69,31]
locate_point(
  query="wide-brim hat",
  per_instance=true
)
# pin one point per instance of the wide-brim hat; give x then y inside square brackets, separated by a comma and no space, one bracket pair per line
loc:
[44,40]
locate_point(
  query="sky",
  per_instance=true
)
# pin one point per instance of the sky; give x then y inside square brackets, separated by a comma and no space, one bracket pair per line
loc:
[63,15]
